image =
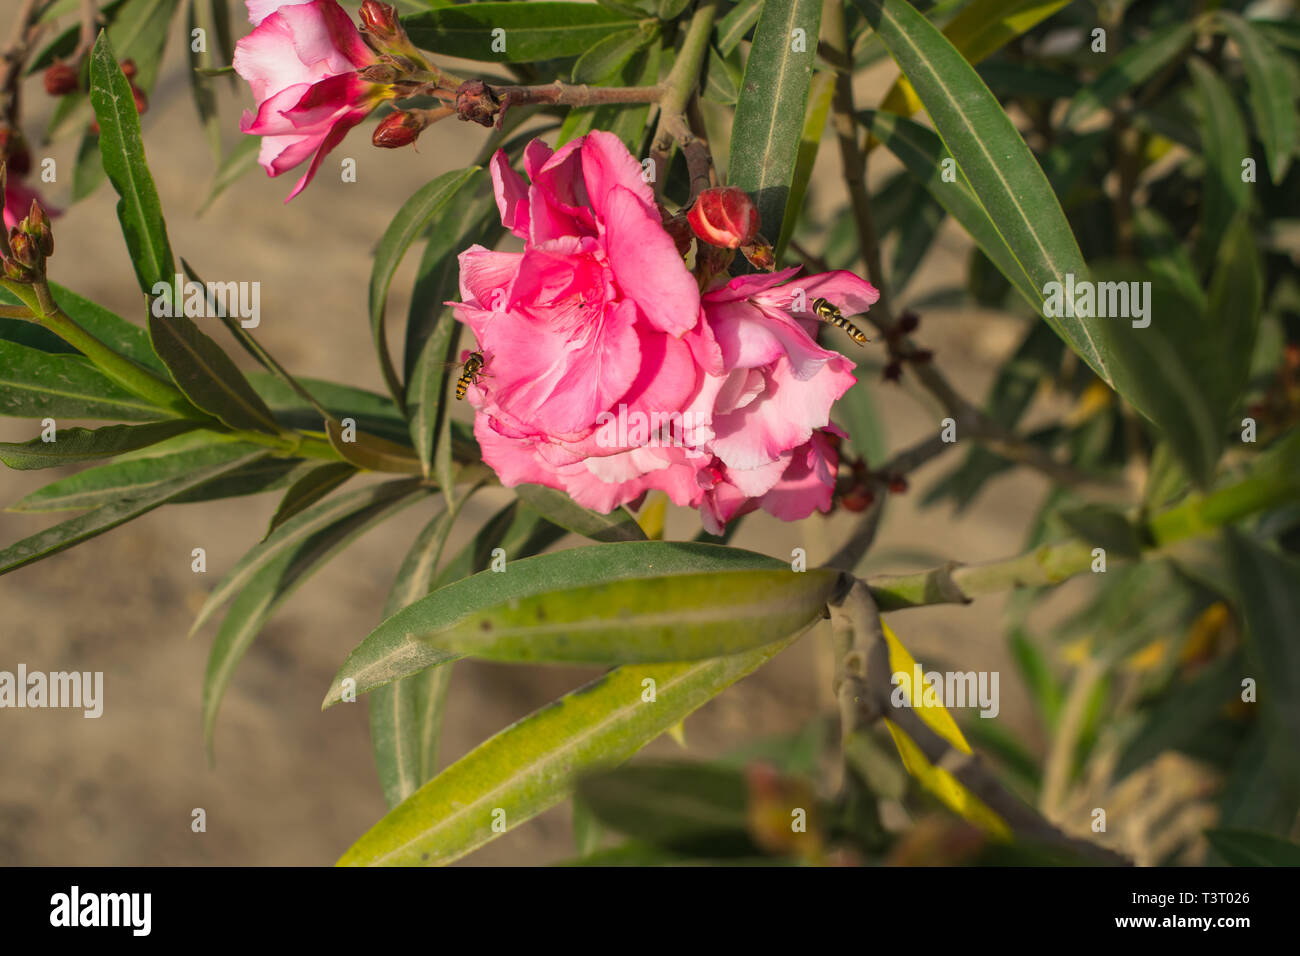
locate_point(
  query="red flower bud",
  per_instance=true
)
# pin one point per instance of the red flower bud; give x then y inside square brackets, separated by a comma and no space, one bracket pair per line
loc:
[380,20]
[725,216]
[141,101]
[60,79]
[128,68]
[898,484]
[857,499]
[398,129]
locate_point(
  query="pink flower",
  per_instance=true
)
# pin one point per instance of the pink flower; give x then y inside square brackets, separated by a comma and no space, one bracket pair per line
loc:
[18,202]
[301,62]
[607,374]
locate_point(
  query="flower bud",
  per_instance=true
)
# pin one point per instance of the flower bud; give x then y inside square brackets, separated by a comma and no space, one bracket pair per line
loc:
[24,249]
[60,79]
[141,101]
[399,128]
[760,254]
[725,216]
[380,21]
[37,225]
[128,68]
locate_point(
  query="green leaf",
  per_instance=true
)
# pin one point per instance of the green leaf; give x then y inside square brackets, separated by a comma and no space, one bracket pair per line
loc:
[406,715]
[1165,254]
[1271,98]
[922,152]
[1250,848]
[607,57]
[118,511]
[532,31]
[388,654]
[309,489]
[206,375]
[36,384]
[271,580]
[241,159]
[370,451]
[418,211]
[995,160]
[773,102]
[821,92]
[124,337]
[1103,526]
[519,531]
[533,764]
[1224,145]
[373,413]
[83,444]
[427,388]
[1268,584]
[651,619]
[1134,66]
[688,808]
[731,29]
[122,148]
[292,533]
[560,509]
[127,477]
[203,87]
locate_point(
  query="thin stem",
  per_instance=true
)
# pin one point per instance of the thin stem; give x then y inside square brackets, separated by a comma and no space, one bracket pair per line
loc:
[679,87]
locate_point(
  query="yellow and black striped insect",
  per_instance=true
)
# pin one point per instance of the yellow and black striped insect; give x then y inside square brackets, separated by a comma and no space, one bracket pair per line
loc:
[471,374]
[828,313]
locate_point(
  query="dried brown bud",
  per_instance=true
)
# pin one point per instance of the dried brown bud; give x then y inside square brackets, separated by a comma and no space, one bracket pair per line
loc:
[893,372]
[60,79]
[761,255]
[399,128]
[476,103]
[37,225]
[897,484]
[908,323]
[379,73]
[24,249]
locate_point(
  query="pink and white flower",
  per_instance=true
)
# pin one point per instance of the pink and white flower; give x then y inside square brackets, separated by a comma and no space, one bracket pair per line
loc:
[301,61]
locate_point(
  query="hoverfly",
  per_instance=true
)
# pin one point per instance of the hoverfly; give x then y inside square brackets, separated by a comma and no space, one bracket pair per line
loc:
[828,313]
[471,374]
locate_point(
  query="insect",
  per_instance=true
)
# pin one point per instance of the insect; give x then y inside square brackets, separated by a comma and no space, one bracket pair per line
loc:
[828,313]
[471,374]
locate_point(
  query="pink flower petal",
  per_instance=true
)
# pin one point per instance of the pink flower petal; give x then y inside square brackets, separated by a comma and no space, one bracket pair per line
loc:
[646,263]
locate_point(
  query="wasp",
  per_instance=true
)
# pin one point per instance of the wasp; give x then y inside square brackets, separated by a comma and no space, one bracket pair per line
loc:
[828,313]
[471,374]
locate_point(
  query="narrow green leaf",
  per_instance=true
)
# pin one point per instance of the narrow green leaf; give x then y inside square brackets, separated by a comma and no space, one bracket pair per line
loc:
[241,159]
[424,206]
[291,534]
[519,531]
[1224,145]
[533,764]
[309,489]
[370,451]
[274,579]
[83,444]
[820,93]
[1249,848]
[124,337]
[559,508]
[122,148]
[35,384]
[995,160]
[515,32]
[406,715]
[607,57]
[731,29]
[1132,67]
[652,619]
[427,388]
[116,512]
[206,375]
[922,152]
[390,652]
[128,477]
[202,88]
[1165,253]
[773,103]
[1268,584]
[1271,98]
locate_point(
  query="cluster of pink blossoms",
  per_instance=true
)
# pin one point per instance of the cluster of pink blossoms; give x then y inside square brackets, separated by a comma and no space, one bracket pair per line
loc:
[599,320]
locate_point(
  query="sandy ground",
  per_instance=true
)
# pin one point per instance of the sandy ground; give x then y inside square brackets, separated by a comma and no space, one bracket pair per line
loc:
[292,785]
